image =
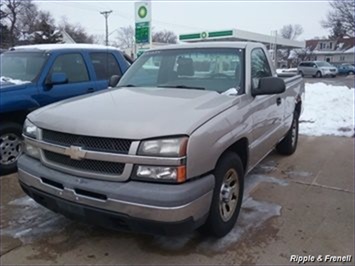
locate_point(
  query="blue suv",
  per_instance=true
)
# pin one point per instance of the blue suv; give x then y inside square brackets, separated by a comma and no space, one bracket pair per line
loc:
[36,75]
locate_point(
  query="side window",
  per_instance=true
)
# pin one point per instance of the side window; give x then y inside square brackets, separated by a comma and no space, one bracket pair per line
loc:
[73,66]
[105,65]
[259,66]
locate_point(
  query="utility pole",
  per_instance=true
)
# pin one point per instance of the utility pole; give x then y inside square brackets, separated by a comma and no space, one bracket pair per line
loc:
[106,14]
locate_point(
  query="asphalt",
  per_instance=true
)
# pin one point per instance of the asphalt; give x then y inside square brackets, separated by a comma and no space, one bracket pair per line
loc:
[298,205]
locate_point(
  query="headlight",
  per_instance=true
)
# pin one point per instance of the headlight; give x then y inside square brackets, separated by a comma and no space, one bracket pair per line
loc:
[161,173]
[31,150]
[30,130]
[172,147]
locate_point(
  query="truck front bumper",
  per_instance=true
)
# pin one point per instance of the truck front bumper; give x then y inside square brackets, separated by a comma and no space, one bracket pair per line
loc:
[133,206]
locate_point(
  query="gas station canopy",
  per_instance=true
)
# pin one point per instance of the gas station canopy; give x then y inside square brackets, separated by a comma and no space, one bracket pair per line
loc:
[241,35]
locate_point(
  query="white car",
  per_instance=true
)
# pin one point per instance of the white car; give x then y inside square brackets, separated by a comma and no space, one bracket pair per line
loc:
[317,69]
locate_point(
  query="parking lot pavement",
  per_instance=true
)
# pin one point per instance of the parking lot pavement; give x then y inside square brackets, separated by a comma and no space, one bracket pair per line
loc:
[297,205]
[338,81]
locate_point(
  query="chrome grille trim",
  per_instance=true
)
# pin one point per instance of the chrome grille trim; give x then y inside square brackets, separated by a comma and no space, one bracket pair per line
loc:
[94,166]
[103,144]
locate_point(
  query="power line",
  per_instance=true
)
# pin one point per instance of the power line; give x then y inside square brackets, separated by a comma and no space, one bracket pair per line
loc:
[106,15]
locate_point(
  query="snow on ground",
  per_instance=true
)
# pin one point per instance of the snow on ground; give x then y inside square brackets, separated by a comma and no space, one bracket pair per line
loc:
[328,110]
[286,70]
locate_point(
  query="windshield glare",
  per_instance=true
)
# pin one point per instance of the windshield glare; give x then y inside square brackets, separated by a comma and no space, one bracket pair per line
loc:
[24,66]
[201,68]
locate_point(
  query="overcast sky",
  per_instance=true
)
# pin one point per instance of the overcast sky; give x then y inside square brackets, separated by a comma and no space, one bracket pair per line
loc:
[196,16]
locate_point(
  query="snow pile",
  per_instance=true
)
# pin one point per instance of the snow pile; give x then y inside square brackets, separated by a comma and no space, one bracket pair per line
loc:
[286,70]
[328,110]
[13,81]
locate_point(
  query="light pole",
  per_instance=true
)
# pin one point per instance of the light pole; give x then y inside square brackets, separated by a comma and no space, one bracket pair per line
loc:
[106,14]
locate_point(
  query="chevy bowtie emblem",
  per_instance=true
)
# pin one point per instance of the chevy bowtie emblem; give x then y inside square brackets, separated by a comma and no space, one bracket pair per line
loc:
[75,152]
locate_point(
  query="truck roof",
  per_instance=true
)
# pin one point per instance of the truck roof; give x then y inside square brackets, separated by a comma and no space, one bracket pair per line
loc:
[63,46]
[206,45]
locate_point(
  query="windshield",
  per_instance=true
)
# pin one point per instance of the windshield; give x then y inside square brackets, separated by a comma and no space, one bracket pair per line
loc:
[23,66]
[323,64]
[196,68]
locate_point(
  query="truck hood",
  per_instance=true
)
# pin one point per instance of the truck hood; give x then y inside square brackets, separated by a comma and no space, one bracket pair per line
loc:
[133,113]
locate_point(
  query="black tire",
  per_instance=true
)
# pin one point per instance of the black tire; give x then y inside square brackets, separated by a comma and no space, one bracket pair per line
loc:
[351,73]
[215,225]
[301,73]
[288,145]
[318,74]
[8,132]
[334,76]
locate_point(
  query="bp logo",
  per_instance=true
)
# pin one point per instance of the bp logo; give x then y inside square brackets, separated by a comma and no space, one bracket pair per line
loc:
[204,35]
[142,12]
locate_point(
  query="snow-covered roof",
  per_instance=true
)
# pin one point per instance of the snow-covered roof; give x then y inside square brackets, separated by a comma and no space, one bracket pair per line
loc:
[350,51]
[327,52]
[57,46]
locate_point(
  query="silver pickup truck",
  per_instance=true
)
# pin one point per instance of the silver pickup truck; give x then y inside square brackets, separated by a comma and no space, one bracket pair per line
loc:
[167,150]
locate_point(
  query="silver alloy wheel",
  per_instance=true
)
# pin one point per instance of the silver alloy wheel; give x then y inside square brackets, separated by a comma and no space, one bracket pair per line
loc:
[294,132]
[10,148]
[228,197]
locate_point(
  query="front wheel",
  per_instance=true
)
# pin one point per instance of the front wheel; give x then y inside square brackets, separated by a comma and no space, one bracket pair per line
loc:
[10,147]
[227,196]
[288,144]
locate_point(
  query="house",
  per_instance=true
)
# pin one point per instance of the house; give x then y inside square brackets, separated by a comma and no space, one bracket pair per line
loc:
[335,51]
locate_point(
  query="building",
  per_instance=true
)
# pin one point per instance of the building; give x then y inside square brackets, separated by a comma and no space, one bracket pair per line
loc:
[335,51]
[273,42]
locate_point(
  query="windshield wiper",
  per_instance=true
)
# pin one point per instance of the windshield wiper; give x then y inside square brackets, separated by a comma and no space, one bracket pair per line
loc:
[181,87]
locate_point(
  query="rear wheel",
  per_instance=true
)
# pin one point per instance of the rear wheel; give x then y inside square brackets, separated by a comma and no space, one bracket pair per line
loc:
[227,196]
[351,73]
[318,74]
[301,73]
[288,145]
[10,147]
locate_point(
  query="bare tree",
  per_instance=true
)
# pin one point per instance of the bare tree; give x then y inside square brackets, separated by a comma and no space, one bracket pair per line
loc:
[341,19]
[291,32]
[164,36]
[77,32]
[99,39]
[125,37]
[13,12]
[45,30]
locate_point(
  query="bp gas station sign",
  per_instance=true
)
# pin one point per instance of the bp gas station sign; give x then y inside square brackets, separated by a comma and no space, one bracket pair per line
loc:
[142,26]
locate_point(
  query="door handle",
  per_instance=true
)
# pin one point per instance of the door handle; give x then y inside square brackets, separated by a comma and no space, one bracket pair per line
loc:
[278,101]
[90,90]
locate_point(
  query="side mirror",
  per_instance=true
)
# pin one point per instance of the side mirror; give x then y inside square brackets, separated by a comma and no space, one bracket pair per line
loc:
[113,81]
[57,79]
[269,85]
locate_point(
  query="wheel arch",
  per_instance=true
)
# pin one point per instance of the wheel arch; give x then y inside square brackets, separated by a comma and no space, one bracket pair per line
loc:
[241,148]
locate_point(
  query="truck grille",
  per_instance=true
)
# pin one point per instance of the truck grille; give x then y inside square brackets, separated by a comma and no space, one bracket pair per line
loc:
[89,143]
[99,167]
